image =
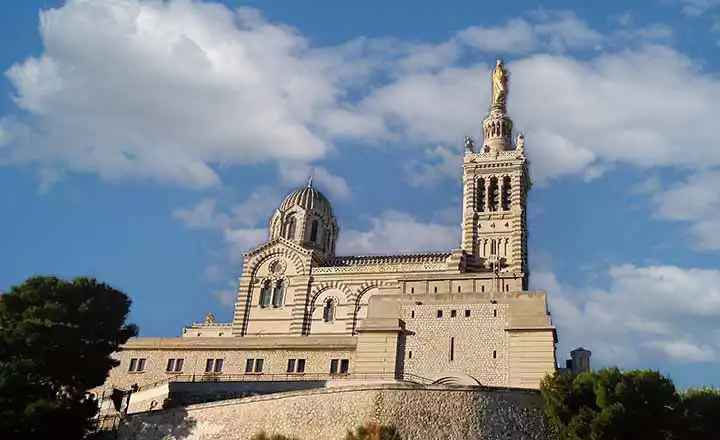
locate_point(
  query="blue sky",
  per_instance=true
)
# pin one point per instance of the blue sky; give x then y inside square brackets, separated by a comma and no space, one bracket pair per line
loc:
[147,143]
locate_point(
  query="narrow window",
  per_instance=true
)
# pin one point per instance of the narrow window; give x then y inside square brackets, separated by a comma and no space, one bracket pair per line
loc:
[170,365]
[278,295]
[314,231]
[265,294]
[495,313]
[506,193]
[218,366]
[141,365]
[439,313]
[334,366]
[453,313]
[329,310]
[300,366]
[179,363]
[494,195]
[412,314]
[291,366]
[249,365]
[452,349]
[344,366]
[410,354]
[467,313]
[412,290]
[259,365]
[133,364]
[494,354]
[493,247]
[480,200]
[435,289]
[482,288]
[291,226]
[507,287]
[209,365]
[458,289]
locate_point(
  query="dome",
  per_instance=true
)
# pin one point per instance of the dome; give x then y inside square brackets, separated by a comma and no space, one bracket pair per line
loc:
[309,199]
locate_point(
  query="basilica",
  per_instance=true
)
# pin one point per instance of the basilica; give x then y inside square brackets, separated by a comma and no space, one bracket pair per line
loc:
[306,317]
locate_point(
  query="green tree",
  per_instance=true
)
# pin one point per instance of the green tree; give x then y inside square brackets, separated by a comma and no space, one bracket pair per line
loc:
[56,338]
[611,405]
[700,411]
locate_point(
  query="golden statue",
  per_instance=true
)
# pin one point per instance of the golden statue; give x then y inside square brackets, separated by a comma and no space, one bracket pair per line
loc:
[499,82]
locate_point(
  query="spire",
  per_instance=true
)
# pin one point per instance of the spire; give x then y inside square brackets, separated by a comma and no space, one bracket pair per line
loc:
[310,178]
[498,125]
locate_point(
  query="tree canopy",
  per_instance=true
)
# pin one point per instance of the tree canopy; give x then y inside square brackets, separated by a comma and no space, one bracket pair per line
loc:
[56,338]
[613,405]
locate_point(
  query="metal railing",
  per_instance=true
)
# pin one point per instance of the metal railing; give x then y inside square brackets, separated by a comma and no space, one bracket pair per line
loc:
[276,377]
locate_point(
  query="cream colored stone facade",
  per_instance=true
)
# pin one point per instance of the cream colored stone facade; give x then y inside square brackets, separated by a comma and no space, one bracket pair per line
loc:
[460,315]
[437,412]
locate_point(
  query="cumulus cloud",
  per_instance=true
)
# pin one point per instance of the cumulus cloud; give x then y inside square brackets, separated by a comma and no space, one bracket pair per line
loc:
[390,232]
[298,175]
[202,215]
[695,201]
[163,90]
[398,232]
[193,85]
[665,311]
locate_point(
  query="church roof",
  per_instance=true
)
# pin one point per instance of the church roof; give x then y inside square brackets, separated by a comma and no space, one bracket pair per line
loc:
[362,260]
[307,198]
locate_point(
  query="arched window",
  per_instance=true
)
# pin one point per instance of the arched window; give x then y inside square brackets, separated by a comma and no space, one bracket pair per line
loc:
[506,193]
[493,195]
[291,227]
[265,294]
[314,231]
[329,310]
[480,201]
[278,295]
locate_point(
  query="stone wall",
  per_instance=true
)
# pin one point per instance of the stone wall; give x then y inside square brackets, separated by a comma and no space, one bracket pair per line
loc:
[474,332]
[418,413]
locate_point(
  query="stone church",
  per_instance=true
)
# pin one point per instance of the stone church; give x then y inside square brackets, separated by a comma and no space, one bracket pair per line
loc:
[304,314]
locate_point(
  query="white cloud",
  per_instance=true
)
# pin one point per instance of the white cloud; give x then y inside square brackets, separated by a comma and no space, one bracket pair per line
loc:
[556,32]
[257,208]
[202,215]
[697,202]
[698,7]
[241,240]
[163,90]
[440,162]
[298,175]
[398,232]
[191,85]
[666,310]
[686,351]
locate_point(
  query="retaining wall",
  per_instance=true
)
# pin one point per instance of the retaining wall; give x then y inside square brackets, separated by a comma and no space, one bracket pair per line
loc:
[418,413]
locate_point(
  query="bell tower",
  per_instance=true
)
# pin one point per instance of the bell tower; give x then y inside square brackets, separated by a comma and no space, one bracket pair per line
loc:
[495,184]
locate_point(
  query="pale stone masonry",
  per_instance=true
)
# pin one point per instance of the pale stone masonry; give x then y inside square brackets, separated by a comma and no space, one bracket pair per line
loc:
[435,412]
[458,316]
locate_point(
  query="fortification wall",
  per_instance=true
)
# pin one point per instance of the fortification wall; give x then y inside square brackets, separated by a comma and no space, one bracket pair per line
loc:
[418,413]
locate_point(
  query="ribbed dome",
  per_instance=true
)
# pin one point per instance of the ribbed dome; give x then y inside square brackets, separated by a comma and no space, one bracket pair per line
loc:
[307,198]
